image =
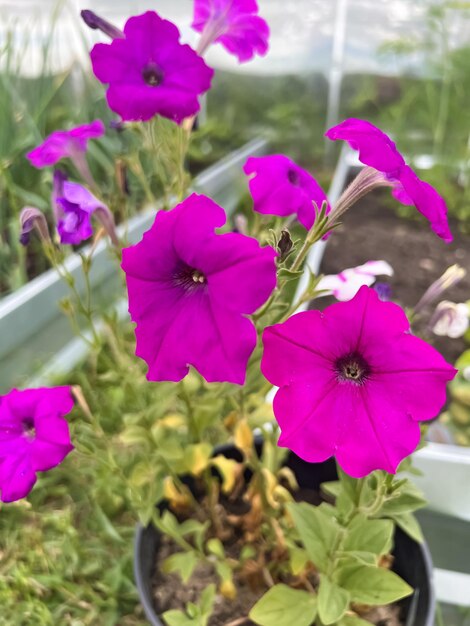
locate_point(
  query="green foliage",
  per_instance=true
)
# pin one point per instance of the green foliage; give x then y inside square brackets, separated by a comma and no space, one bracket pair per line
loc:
[333,601]
[371,585]
[284,606]
[196,614]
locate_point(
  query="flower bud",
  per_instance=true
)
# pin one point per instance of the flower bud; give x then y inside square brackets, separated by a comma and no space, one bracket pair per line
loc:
[284,245]
[95,22]
[105,217]
[32,218]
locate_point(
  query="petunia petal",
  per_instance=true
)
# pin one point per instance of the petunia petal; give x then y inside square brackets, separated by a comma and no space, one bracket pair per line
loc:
[17,476]
[375,433]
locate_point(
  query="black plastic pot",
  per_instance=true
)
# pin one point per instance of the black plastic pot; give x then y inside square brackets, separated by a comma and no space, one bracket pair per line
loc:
[412,560]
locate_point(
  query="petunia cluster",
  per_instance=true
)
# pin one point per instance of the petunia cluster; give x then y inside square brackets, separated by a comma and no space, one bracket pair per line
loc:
[72,203]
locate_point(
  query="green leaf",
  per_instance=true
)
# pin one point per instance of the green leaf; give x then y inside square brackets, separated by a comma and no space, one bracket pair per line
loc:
[332,601]
[215,546]
[206,601]
[298,560]
[318,532]
[332,488]
[182,563]
[353,620]
[405,500]
[287,274]
[283,606]
[177,618]
[369,536]
[373,585]
[410,525]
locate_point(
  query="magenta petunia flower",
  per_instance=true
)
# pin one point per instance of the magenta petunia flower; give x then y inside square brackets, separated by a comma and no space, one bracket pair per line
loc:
[34,437]
[190,291]
[149,72]
[232,23]
[63,144]
[378,151]
[73,207]
[354,383]
[279,186]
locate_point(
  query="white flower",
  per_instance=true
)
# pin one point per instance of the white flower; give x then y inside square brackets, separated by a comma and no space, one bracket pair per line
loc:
[450,319]
[346,284]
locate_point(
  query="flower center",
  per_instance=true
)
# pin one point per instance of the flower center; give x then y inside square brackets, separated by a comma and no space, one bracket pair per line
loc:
[29,431]
[293,177]
[152,75]
[190,278]
[353,368]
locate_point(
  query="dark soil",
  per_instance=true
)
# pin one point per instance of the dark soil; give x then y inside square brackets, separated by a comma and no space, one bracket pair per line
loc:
[371,230]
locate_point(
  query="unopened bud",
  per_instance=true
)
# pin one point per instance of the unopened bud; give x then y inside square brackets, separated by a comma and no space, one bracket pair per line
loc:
[95,22]
[106,219]
[284,245]
[122,178]
[32,218]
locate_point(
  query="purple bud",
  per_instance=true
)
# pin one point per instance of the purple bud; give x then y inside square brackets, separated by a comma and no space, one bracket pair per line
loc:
[384,291]
[96,22]
[32,218]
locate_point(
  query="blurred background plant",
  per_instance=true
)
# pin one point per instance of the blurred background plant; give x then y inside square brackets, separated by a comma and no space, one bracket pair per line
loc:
[427,113]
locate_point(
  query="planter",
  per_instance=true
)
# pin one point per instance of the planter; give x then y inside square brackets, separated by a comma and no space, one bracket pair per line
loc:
[412,560]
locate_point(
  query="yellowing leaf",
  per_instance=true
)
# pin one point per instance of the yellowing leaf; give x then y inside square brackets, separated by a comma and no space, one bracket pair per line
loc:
[229,470]
[243,436]
[198,457]
[178,499]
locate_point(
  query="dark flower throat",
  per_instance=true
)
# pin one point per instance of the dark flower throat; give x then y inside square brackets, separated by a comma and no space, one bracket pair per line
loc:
[353,368]
[189,278]
[152,75]
[29,429]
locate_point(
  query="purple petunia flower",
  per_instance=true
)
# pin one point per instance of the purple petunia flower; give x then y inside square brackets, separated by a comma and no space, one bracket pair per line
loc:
[280,187]
[233,23]
[73,207]
[63,144]
[378,151]
[190,291]
[354,383]
[34,437]
[150,72]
